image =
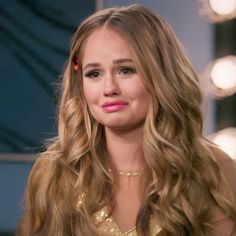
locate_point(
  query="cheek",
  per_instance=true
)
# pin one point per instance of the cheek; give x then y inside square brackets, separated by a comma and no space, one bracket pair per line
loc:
[139,93]
[90,94]
[143,99]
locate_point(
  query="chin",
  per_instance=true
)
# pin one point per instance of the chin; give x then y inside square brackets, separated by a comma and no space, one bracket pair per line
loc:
[122,126]
[114,125]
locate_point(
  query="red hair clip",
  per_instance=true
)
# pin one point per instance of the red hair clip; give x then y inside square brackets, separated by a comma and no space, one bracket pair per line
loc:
[76,63]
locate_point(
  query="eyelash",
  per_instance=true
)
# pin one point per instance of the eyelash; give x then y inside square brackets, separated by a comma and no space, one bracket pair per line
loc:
[90,74]
[95,73]
[129,69]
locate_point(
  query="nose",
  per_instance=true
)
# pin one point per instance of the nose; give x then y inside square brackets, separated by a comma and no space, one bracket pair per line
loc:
[111,87]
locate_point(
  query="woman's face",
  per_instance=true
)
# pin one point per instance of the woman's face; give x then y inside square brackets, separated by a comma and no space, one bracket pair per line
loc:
[112,87]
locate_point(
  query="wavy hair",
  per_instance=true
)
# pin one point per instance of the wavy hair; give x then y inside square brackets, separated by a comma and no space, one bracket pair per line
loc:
[181,176]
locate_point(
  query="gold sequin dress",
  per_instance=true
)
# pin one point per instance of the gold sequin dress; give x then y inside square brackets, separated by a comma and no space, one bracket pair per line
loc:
[107,226]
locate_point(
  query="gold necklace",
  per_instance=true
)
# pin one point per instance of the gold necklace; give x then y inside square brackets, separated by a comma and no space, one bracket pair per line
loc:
[128,173]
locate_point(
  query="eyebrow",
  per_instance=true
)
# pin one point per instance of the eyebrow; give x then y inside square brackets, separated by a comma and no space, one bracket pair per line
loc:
[118,61]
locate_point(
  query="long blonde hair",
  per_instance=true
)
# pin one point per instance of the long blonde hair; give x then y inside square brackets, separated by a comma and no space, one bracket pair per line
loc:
[181,177]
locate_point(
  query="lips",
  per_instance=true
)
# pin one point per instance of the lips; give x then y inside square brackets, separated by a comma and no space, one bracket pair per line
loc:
[114,106]
[106,104]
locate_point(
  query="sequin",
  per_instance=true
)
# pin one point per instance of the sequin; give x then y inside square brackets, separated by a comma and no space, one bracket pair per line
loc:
[80,200]
[107,226]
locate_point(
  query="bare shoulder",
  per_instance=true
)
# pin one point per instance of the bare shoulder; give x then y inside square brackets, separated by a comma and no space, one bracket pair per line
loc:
[224,160]
[227,166]
[224,225]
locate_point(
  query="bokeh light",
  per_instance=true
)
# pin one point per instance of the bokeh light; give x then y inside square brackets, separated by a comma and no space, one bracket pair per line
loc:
[219,10]
[223,73]
[226,140]
[223,7]
[219,78]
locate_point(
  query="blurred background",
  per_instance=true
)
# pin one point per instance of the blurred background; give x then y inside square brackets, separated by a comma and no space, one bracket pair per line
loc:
[34,46]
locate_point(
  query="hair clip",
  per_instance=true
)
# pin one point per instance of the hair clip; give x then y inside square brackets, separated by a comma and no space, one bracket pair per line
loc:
[76,62]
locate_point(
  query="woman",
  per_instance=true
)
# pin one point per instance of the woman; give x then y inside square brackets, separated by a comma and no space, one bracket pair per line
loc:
[130,158]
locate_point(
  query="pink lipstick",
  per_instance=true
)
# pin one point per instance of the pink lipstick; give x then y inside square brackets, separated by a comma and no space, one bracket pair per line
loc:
[114,106]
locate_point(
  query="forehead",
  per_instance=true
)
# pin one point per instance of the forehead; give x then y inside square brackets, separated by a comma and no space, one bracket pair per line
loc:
[108,43]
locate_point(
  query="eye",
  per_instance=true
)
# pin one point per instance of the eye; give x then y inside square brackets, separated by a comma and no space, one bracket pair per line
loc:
[92,74]
[127,70]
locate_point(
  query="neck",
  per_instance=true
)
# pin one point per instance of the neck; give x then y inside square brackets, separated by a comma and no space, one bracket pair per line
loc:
[125,148]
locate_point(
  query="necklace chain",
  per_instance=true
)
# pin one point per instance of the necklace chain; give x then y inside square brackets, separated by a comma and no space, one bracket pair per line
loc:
[127,172]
